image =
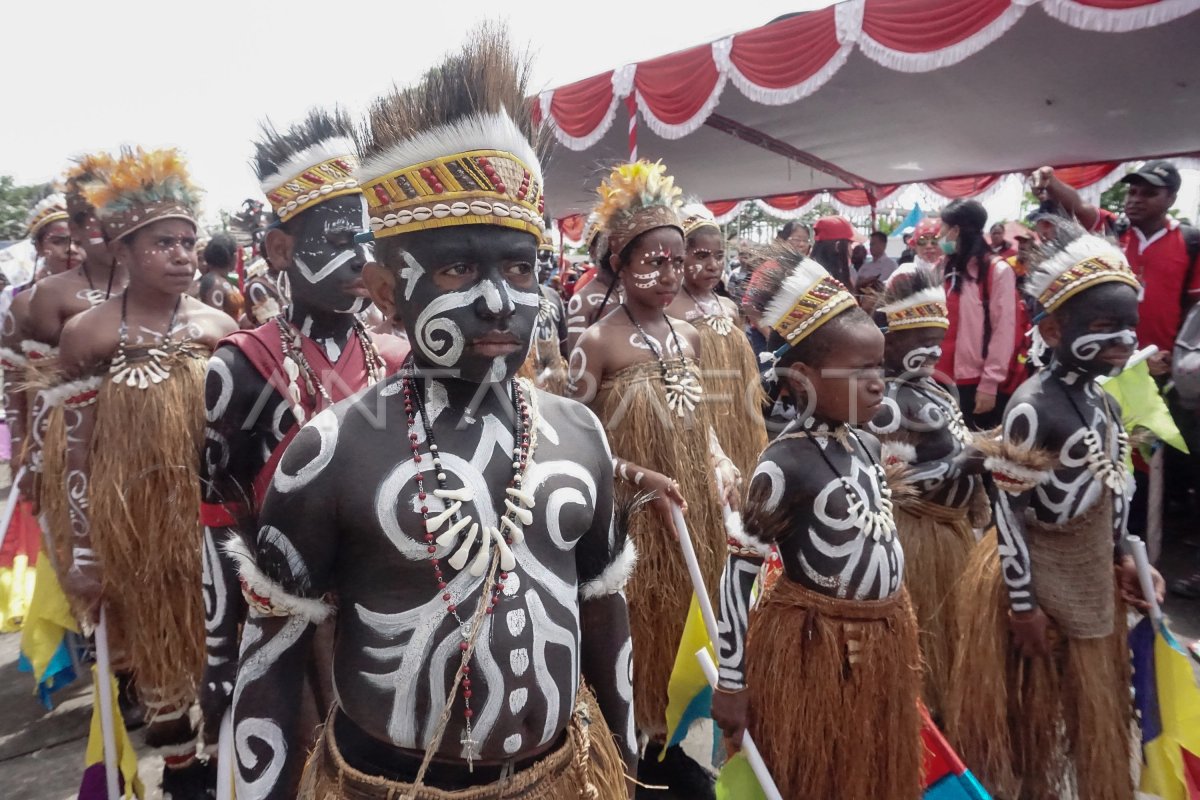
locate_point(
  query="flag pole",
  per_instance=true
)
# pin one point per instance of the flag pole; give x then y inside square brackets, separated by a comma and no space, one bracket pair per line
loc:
[753,757]
[706,663]
[1145,577]
[225,765]
[11,506]
[107,720]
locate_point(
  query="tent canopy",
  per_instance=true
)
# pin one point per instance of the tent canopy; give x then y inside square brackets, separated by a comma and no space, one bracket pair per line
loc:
[870,94]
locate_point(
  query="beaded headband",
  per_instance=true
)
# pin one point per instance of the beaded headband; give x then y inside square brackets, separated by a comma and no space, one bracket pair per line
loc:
[1084,275]
[820,302]
[51,209]
[924,315]
[476,187]
[695,217]
[324,179]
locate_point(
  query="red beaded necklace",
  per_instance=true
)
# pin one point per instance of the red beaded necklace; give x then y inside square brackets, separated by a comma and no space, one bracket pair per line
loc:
[511,527]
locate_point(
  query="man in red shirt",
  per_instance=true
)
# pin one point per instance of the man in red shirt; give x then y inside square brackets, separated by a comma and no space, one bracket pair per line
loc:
[1160,253]
[1154,244]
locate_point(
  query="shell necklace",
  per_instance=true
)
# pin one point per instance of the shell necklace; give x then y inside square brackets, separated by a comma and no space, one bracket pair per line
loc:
[155,369]
[681,387]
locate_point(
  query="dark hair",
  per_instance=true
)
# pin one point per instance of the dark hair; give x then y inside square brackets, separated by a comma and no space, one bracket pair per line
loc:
[834,256]
[969,217]
[815,348]
[791,227]
[880,235]
[220,251]
[996,226]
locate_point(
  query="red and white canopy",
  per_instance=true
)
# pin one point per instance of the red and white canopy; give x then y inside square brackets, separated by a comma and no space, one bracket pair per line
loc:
[866,96]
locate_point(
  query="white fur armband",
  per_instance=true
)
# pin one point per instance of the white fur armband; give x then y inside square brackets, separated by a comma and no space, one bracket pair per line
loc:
[72,393]
[898,453]
[1014,478]
[266,596]
[741,543]
[36,350]
[11,359]
[614,577]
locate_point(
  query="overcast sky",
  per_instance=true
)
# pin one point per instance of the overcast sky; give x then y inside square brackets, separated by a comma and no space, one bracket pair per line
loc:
[79,75]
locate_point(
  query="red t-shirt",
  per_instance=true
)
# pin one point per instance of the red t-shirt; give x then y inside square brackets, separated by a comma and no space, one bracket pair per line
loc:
[1161,262]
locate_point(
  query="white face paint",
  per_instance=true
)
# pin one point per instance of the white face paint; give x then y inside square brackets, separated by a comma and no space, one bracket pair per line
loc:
[1087,347]
[921,358]
[646,280]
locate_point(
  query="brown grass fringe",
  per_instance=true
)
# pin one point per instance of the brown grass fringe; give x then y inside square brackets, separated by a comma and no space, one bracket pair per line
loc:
[937,542]
[640,429]
[588,766]
[733,391]
[1031,458]
[53,489]
[830,725]
[545,367]
[1037,729]
[144,510]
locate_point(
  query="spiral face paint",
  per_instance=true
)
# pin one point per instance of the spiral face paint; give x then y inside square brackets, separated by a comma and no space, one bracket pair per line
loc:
[921,358]
[469,299]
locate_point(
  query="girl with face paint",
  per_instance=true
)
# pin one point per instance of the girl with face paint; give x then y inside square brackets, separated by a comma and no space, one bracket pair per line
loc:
[59,298]
[831,645]
[133,412]
[29,366]
[922,429]
[733,378]
[640,371]
[263,384]
[1054,647]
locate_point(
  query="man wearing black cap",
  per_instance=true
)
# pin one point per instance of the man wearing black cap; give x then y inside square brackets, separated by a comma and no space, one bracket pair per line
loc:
[1163,254]
[1160,250]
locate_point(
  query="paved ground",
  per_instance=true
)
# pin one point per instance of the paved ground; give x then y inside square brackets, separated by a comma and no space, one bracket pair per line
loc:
[42,752]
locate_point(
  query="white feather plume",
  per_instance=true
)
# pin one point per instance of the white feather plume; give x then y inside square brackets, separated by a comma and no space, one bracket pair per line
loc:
[478,132]
[1059,259]
[804,276]
[322,151]
[935,294]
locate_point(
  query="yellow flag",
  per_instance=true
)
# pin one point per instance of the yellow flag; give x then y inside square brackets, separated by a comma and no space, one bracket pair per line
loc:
[94,760]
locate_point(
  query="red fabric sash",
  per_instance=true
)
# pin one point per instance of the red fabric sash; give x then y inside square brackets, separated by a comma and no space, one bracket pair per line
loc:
[263,348]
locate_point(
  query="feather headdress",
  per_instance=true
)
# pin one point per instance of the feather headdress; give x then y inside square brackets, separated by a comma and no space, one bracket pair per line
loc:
[696,216]
[794,296]
[85,170]
[1071,261]
[636,198]
[309,163]
[914,298]
[459,148]
[52,208]
[139,187]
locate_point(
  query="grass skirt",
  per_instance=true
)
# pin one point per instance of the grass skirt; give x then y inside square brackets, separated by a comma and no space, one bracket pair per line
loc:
[731,374]
[640,429]
[53,490]
[587,766]
[937,542]
[1037,729]
[833,694]
[144,509]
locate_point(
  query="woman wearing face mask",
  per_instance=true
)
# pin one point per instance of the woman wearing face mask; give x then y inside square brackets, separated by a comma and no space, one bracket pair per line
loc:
[981,296]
